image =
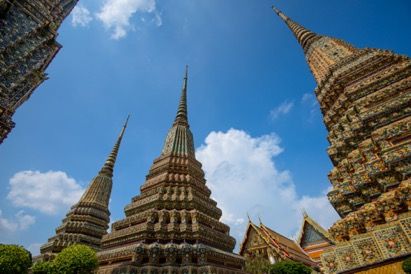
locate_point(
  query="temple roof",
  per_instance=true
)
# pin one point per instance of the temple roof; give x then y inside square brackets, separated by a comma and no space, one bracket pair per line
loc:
[283,246]
[311,232]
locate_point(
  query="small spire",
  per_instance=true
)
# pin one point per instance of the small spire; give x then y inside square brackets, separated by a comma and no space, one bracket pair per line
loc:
[108,166]
[259,219]
[305,215]
[304,36]
[181,117]
[248,216]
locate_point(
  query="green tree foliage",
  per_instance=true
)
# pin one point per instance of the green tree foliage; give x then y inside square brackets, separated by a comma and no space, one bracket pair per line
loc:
[14,259]
[256,265]
[76,259]
[43,268]
[406,265]
[289,267]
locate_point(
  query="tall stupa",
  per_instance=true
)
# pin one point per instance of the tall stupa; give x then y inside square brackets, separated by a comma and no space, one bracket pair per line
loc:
[173,225]
[88,219]
[365,99]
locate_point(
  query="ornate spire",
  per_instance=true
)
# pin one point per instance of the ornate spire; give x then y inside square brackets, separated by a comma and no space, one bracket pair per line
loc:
[108,166]
[304,36]
[181,117]
[179,139]
[88,219]
[321,52]
[174,218]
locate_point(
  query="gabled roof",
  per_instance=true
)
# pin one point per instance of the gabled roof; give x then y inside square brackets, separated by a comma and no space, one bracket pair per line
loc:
[309,224]
[250,226]
[286,248]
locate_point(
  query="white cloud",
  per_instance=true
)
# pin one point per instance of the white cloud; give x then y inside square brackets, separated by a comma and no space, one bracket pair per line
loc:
[284,108]
[244,179]
[315,206]
[22,221]
[80,16]
[7,225]
[48,192]
[116,14]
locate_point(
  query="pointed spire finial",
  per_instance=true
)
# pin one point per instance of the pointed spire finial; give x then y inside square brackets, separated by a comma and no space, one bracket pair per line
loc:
[279,13]
[108,166]
[248,216]
[304,36]
[124,127]
[185,78]
[259,219]
[181,117]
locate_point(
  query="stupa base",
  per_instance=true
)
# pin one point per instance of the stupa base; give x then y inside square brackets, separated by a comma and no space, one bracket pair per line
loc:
[169,259]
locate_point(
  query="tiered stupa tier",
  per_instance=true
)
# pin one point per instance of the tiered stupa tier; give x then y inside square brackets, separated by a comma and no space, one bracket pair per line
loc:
[173,225]
[365,98]
[87,221]
[28,31]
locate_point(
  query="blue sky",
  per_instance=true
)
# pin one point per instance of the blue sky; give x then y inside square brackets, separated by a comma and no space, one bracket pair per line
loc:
[251,107]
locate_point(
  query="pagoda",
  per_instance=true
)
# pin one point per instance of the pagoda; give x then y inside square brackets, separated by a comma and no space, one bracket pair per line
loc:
[365,99]
[28,31]
[173,225]
[88,220]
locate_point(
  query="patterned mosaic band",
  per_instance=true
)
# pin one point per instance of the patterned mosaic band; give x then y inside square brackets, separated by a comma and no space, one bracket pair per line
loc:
[383,242]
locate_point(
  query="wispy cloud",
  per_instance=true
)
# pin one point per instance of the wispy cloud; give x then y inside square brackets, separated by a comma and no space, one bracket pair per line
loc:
[282,109]
[116,15]
[81,16]
[21,221]
[48,192]
[243,177]
[157,19]
[308,100]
